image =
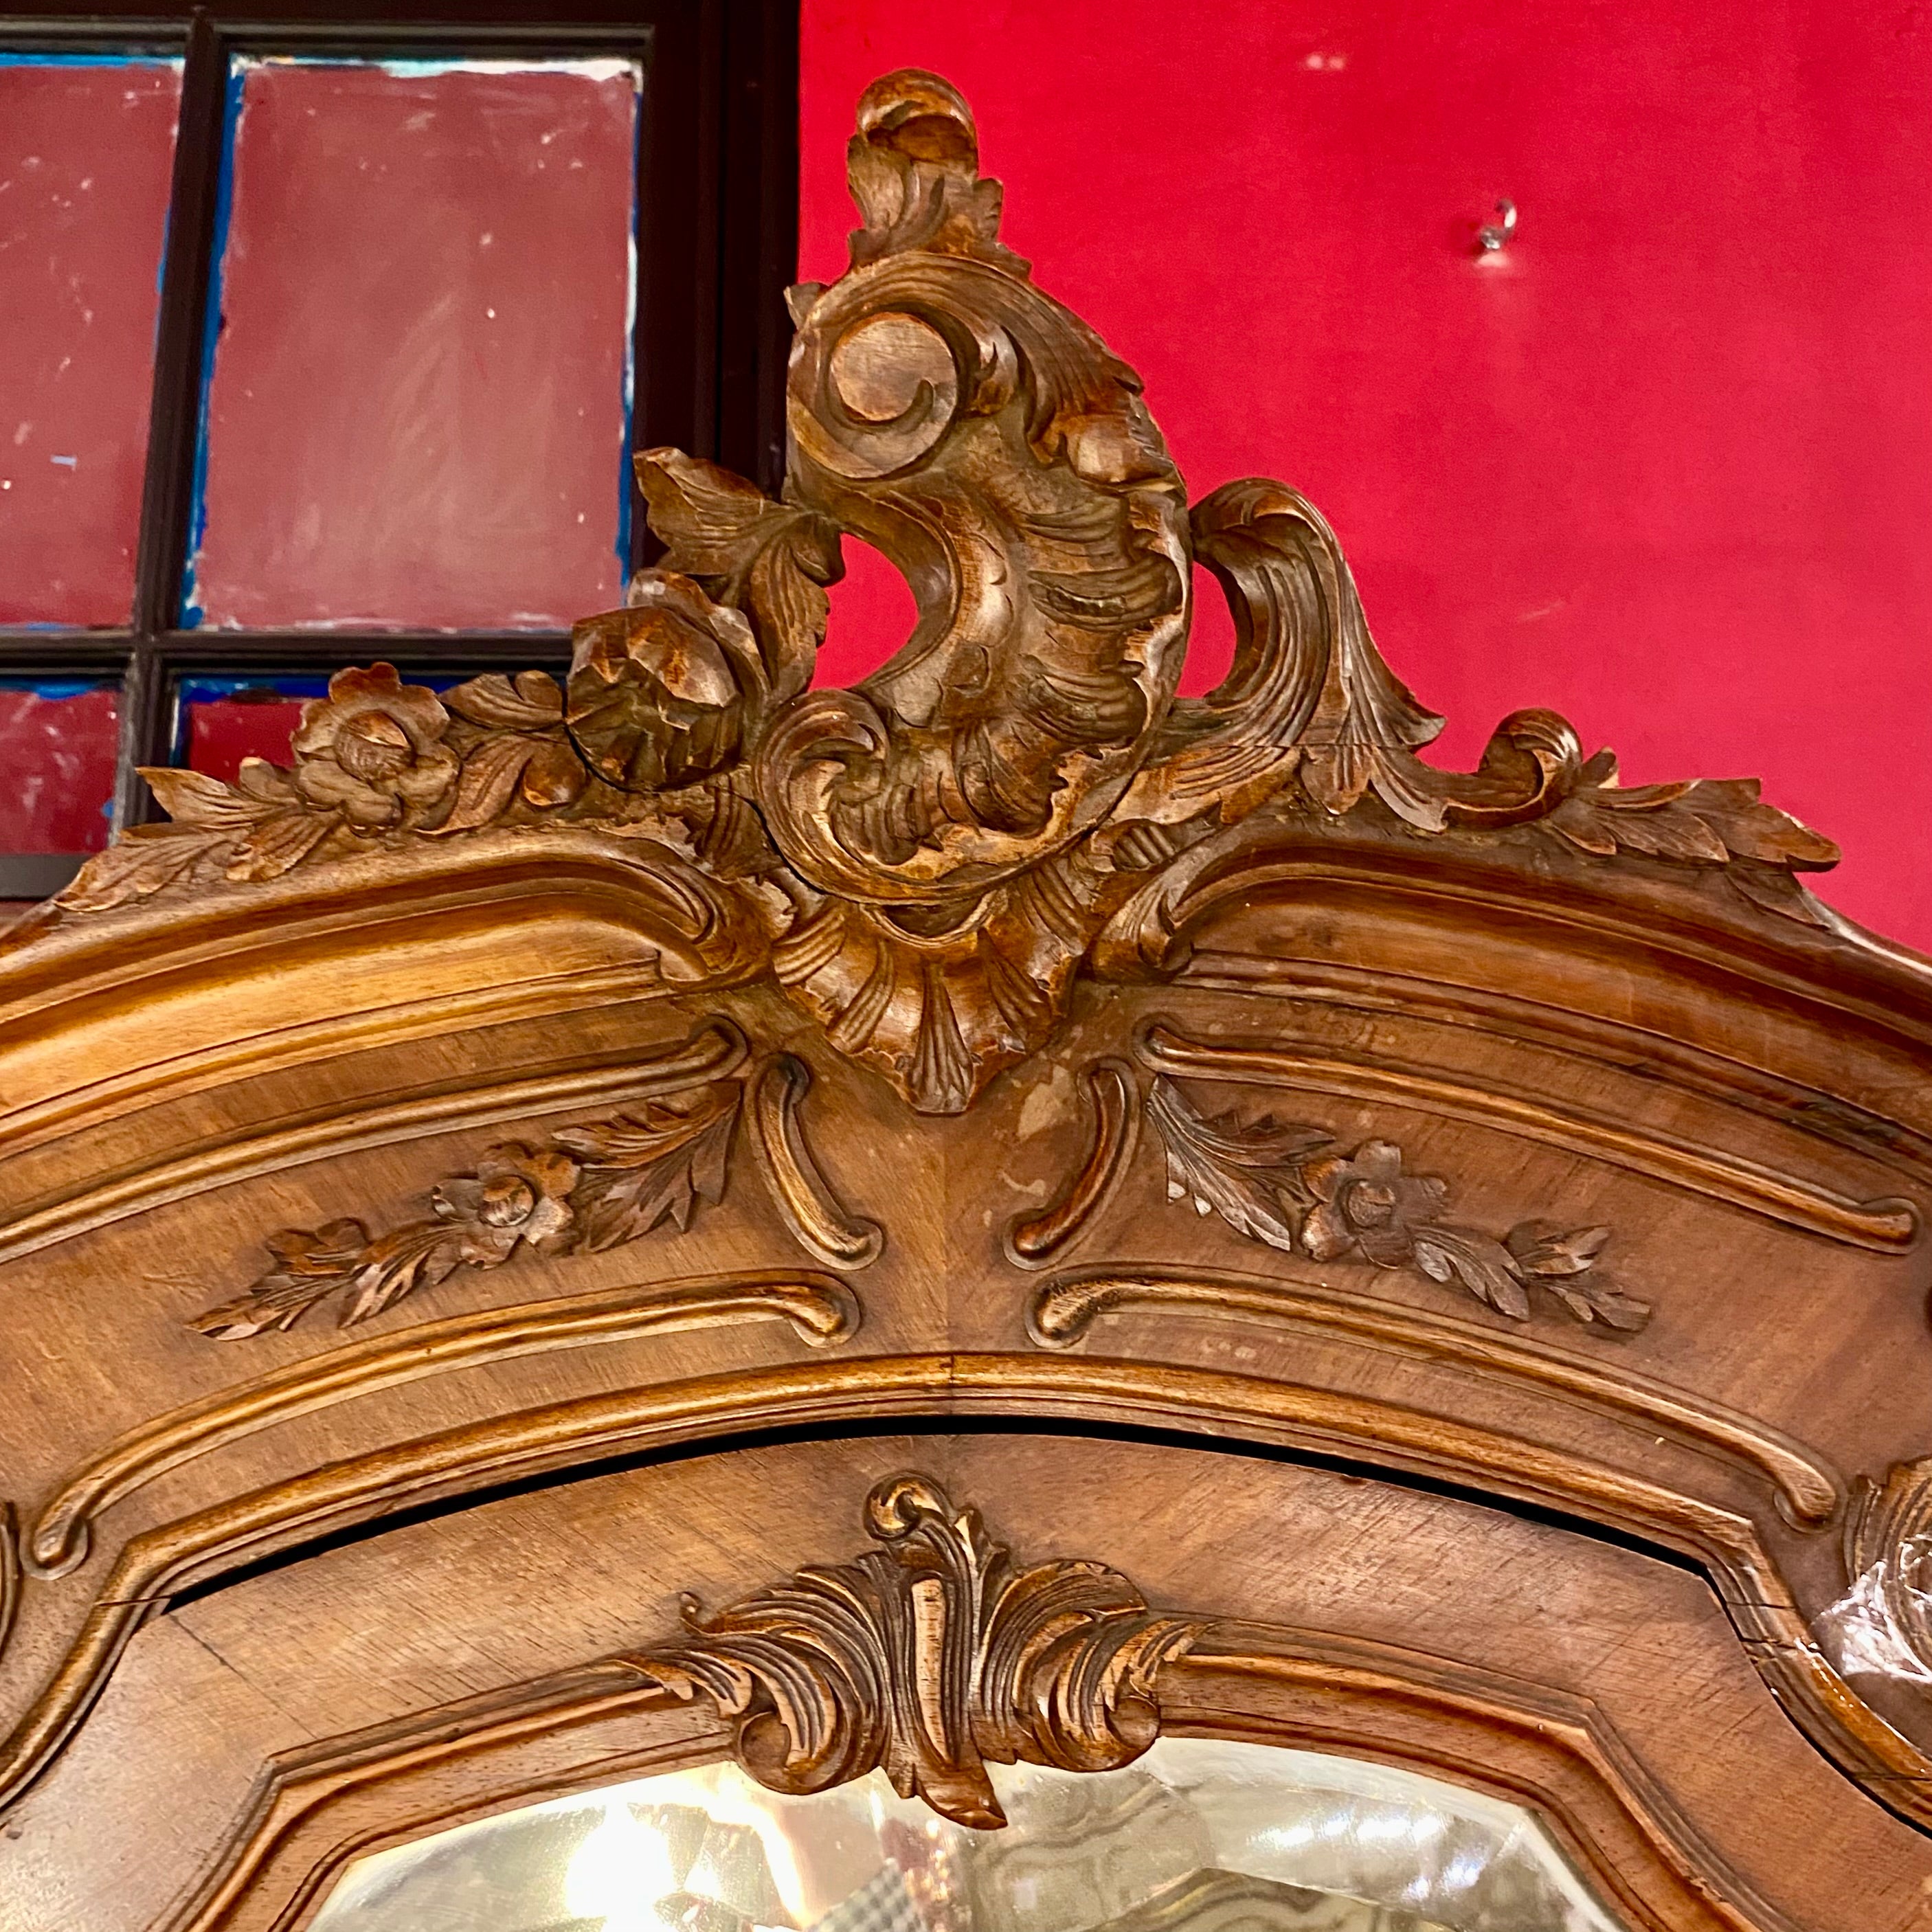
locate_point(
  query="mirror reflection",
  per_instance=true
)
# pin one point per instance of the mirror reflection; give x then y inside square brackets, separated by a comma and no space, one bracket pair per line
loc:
[1198,1835]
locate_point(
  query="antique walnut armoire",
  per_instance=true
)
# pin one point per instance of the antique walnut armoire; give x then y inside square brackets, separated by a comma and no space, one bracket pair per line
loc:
[997,1300]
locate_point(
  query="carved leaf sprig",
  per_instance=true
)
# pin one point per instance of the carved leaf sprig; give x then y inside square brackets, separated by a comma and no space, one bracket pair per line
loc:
[929,1658]
[1248,1174]
[258,828]
[377,760]
[1286,1186]
[1706,821]
[592,1187]
[643,1169]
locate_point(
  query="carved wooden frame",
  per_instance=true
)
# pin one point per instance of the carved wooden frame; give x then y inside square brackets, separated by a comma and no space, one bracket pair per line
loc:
[1070,1669]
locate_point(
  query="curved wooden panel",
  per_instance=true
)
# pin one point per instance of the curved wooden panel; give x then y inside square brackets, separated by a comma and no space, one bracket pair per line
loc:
[1890,1226]
[1655,1807]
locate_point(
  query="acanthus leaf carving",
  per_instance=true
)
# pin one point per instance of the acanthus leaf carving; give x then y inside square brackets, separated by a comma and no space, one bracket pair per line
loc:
[929,1657]
[641,1170]
[1287,1186]
[930,859]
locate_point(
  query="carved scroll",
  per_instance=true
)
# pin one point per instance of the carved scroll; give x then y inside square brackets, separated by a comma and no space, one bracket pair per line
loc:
[928,860]
[1032,1240]
[929,1657]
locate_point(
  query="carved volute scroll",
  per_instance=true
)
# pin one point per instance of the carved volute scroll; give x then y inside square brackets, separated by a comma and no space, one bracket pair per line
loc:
[930,1658]
[927,861]
[947,410]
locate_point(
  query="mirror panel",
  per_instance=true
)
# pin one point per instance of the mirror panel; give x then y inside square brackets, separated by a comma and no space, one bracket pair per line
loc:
[1199,1834]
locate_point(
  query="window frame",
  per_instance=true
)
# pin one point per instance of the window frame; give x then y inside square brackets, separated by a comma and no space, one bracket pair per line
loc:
[719,113]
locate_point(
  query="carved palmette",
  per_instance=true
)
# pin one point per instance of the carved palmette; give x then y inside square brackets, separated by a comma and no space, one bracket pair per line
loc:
[929,1658]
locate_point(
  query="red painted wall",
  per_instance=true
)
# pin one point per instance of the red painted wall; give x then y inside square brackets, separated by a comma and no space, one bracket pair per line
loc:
[1666,465]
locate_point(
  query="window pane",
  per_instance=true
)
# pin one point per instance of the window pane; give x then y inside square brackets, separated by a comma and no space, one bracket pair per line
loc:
[86,157]
[220,721]
[417,394]
[58,743]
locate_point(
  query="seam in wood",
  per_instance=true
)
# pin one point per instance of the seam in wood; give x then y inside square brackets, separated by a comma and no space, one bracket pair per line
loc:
[820,1309]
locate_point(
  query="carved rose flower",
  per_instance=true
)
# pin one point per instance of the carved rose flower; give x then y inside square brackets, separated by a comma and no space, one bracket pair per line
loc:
[372,748]
[659,691]
[1364,1200]
[518,1193]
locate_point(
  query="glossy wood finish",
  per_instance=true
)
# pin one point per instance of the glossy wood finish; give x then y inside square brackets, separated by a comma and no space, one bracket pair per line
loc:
[1453,1242]
[373,1681]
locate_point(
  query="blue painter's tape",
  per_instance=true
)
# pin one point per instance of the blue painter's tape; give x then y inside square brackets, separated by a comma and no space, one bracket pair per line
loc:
[54,689]
[148,61]
[624,467]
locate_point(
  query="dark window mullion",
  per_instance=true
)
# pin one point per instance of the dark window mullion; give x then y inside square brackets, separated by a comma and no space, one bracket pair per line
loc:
[144,732]
[758,237]
[167,495]
[245,652]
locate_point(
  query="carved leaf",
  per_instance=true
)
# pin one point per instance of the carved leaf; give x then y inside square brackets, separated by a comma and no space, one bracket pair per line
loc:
[1707,822]
[645,1169]
[146,858]
[529,701]
[281,841]
[772,560]
[1482,1265]
[193,798]
[914,171]
[418,1256]
[929,1658]
[1250,1175]
[311,1265]
[1543,1248]
[545,770]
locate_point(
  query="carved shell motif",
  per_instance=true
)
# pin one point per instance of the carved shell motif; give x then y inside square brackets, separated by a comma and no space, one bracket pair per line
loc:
[925,862]
[929,1657]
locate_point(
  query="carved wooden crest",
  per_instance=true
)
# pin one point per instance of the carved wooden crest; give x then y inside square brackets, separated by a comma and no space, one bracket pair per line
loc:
[929,1658]
[927,861]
